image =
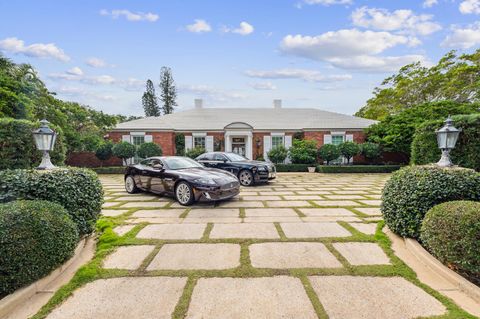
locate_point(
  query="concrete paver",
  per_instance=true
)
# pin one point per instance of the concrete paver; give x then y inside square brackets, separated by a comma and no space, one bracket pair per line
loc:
[314,230]
[172,231]
[128,257]
[247,230]
[362,253]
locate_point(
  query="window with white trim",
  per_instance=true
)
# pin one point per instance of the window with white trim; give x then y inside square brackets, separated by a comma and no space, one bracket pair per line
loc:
[277,141]
[337,139]
[199,141]
[137,140]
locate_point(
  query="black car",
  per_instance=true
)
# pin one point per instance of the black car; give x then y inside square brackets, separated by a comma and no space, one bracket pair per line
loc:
[182,177]
[248,172]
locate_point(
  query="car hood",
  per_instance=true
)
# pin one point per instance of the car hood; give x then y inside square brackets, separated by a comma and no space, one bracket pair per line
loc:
[256,163]
[215,174]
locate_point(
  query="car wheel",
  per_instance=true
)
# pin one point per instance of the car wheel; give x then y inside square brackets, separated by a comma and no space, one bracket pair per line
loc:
[130,185]
[184,194]
[245,177]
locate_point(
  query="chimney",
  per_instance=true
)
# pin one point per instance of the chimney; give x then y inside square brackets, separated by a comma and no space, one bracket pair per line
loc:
[198,103]
[277,104]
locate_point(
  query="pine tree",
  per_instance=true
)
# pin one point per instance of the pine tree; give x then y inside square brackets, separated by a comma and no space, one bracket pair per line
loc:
[168,93]
[149,100]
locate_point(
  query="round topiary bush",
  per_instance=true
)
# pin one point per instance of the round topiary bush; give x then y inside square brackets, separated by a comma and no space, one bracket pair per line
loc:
[195,152]
[329,152]
[451,232]
[148,150]
[278,154]
[78,190]
[124,150]
[412,191]
[35,238]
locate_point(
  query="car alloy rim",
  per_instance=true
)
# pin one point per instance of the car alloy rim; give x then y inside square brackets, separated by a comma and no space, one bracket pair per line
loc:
[245,178]
[183,193]
[129,184]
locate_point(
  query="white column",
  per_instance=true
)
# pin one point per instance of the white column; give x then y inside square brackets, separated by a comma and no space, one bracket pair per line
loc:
[248,146]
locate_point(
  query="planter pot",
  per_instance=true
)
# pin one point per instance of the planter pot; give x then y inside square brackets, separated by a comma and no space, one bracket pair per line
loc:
[311,169]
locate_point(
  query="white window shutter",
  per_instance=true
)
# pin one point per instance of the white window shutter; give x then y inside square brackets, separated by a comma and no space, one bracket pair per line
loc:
[148,138]
[209,143]
[188,142]
[327,139]
[267,144]
[349,138]
[288,144]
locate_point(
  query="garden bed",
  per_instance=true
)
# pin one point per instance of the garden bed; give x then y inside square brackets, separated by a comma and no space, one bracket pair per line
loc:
[357,168]
[109,170]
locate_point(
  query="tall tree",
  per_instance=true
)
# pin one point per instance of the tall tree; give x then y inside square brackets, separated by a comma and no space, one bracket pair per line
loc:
[168,91]
[150,100]
[454,78]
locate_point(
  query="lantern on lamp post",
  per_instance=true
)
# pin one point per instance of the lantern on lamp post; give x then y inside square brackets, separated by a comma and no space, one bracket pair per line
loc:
[45,139]
[447,138]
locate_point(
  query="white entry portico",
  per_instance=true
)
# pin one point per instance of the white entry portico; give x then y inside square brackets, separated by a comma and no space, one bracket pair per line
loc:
[238,139]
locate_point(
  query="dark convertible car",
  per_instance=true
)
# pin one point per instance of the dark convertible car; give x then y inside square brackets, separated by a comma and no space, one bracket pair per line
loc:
[248,172]
[181,177]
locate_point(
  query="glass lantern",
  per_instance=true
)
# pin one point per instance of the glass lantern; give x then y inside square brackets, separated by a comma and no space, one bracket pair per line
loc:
[45,138]
[447,137]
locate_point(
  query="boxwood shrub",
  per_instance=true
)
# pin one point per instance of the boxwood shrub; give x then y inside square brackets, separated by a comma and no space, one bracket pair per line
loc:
[292,167]
[35,238]
[451,232]
[467,150]
[109,170]
[357,168]
[17,147]
[412,191]
[78,190]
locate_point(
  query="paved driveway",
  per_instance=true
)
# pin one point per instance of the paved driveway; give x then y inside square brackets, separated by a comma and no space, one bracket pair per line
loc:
[303,246]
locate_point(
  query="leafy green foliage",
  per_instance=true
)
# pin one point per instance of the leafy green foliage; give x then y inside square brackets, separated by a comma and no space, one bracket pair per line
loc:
[453,78]
[371,151]
[357,168]
[179,144]
[450,231]
[109,170]
[148,150]
[36,237]
[78,190]
[467,150]
[395,132]
[303,152]
[412,191]
[260,158]
[292,167]
[168,91]
[329,152]
[24,96]
[104,151]
[278,154]
[17,147]
[150,100]
[195,152]
[349,150]
[124,150]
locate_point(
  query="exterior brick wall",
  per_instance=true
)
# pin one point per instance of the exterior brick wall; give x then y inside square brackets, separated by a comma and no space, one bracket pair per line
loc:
[166,140]
[316,136]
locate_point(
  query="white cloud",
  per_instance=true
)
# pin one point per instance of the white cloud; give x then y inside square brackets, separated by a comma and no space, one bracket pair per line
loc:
[263,86]
[245,28]
[342,43]
[398,20]
[199,26]
[38,50]
[464,38]
[96,62]
[211,93]
[328,2]
[130,16]
[83,93]
[303,74]
[429,3]
[470,6]
[376,63]
[75,71]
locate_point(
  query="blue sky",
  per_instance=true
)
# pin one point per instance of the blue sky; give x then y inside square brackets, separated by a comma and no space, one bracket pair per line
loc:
[328,54]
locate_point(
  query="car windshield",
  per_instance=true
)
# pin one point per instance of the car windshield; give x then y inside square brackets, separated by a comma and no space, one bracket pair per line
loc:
[180,163]
[235,157]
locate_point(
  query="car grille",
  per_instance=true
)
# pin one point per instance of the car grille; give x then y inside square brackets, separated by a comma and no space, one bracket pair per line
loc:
[233,184]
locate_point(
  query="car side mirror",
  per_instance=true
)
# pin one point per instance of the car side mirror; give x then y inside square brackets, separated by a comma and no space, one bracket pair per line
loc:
[225,160]
[158,167]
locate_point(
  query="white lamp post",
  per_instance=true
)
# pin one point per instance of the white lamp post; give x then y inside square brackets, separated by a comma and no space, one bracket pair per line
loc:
[45,139]
[447,138]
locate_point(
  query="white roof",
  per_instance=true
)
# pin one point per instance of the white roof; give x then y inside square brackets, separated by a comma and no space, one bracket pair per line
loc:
[212,119]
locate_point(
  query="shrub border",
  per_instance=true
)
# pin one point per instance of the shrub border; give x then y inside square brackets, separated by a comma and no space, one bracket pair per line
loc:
[357,168]
[109,170]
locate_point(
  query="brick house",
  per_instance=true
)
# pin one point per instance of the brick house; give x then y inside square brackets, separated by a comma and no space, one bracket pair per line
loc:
[251,132]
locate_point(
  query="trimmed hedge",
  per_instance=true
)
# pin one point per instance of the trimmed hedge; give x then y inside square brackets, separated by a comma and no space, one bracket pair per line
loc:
[292,167]
[195,152]
[412,191]
[109,170]
[467,150]
[148,150]
[35,238]
[78,190]
[357,168]
[17,147]
[451,232]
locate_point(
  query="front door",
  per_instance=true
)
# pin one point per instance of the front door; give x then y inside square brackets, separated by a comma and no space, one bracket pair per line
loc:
[239,145]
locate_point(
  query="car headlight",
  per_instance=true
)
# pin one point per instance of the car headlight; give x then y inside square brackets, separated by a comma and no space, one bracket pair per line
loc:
[205,181]
[262,168]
